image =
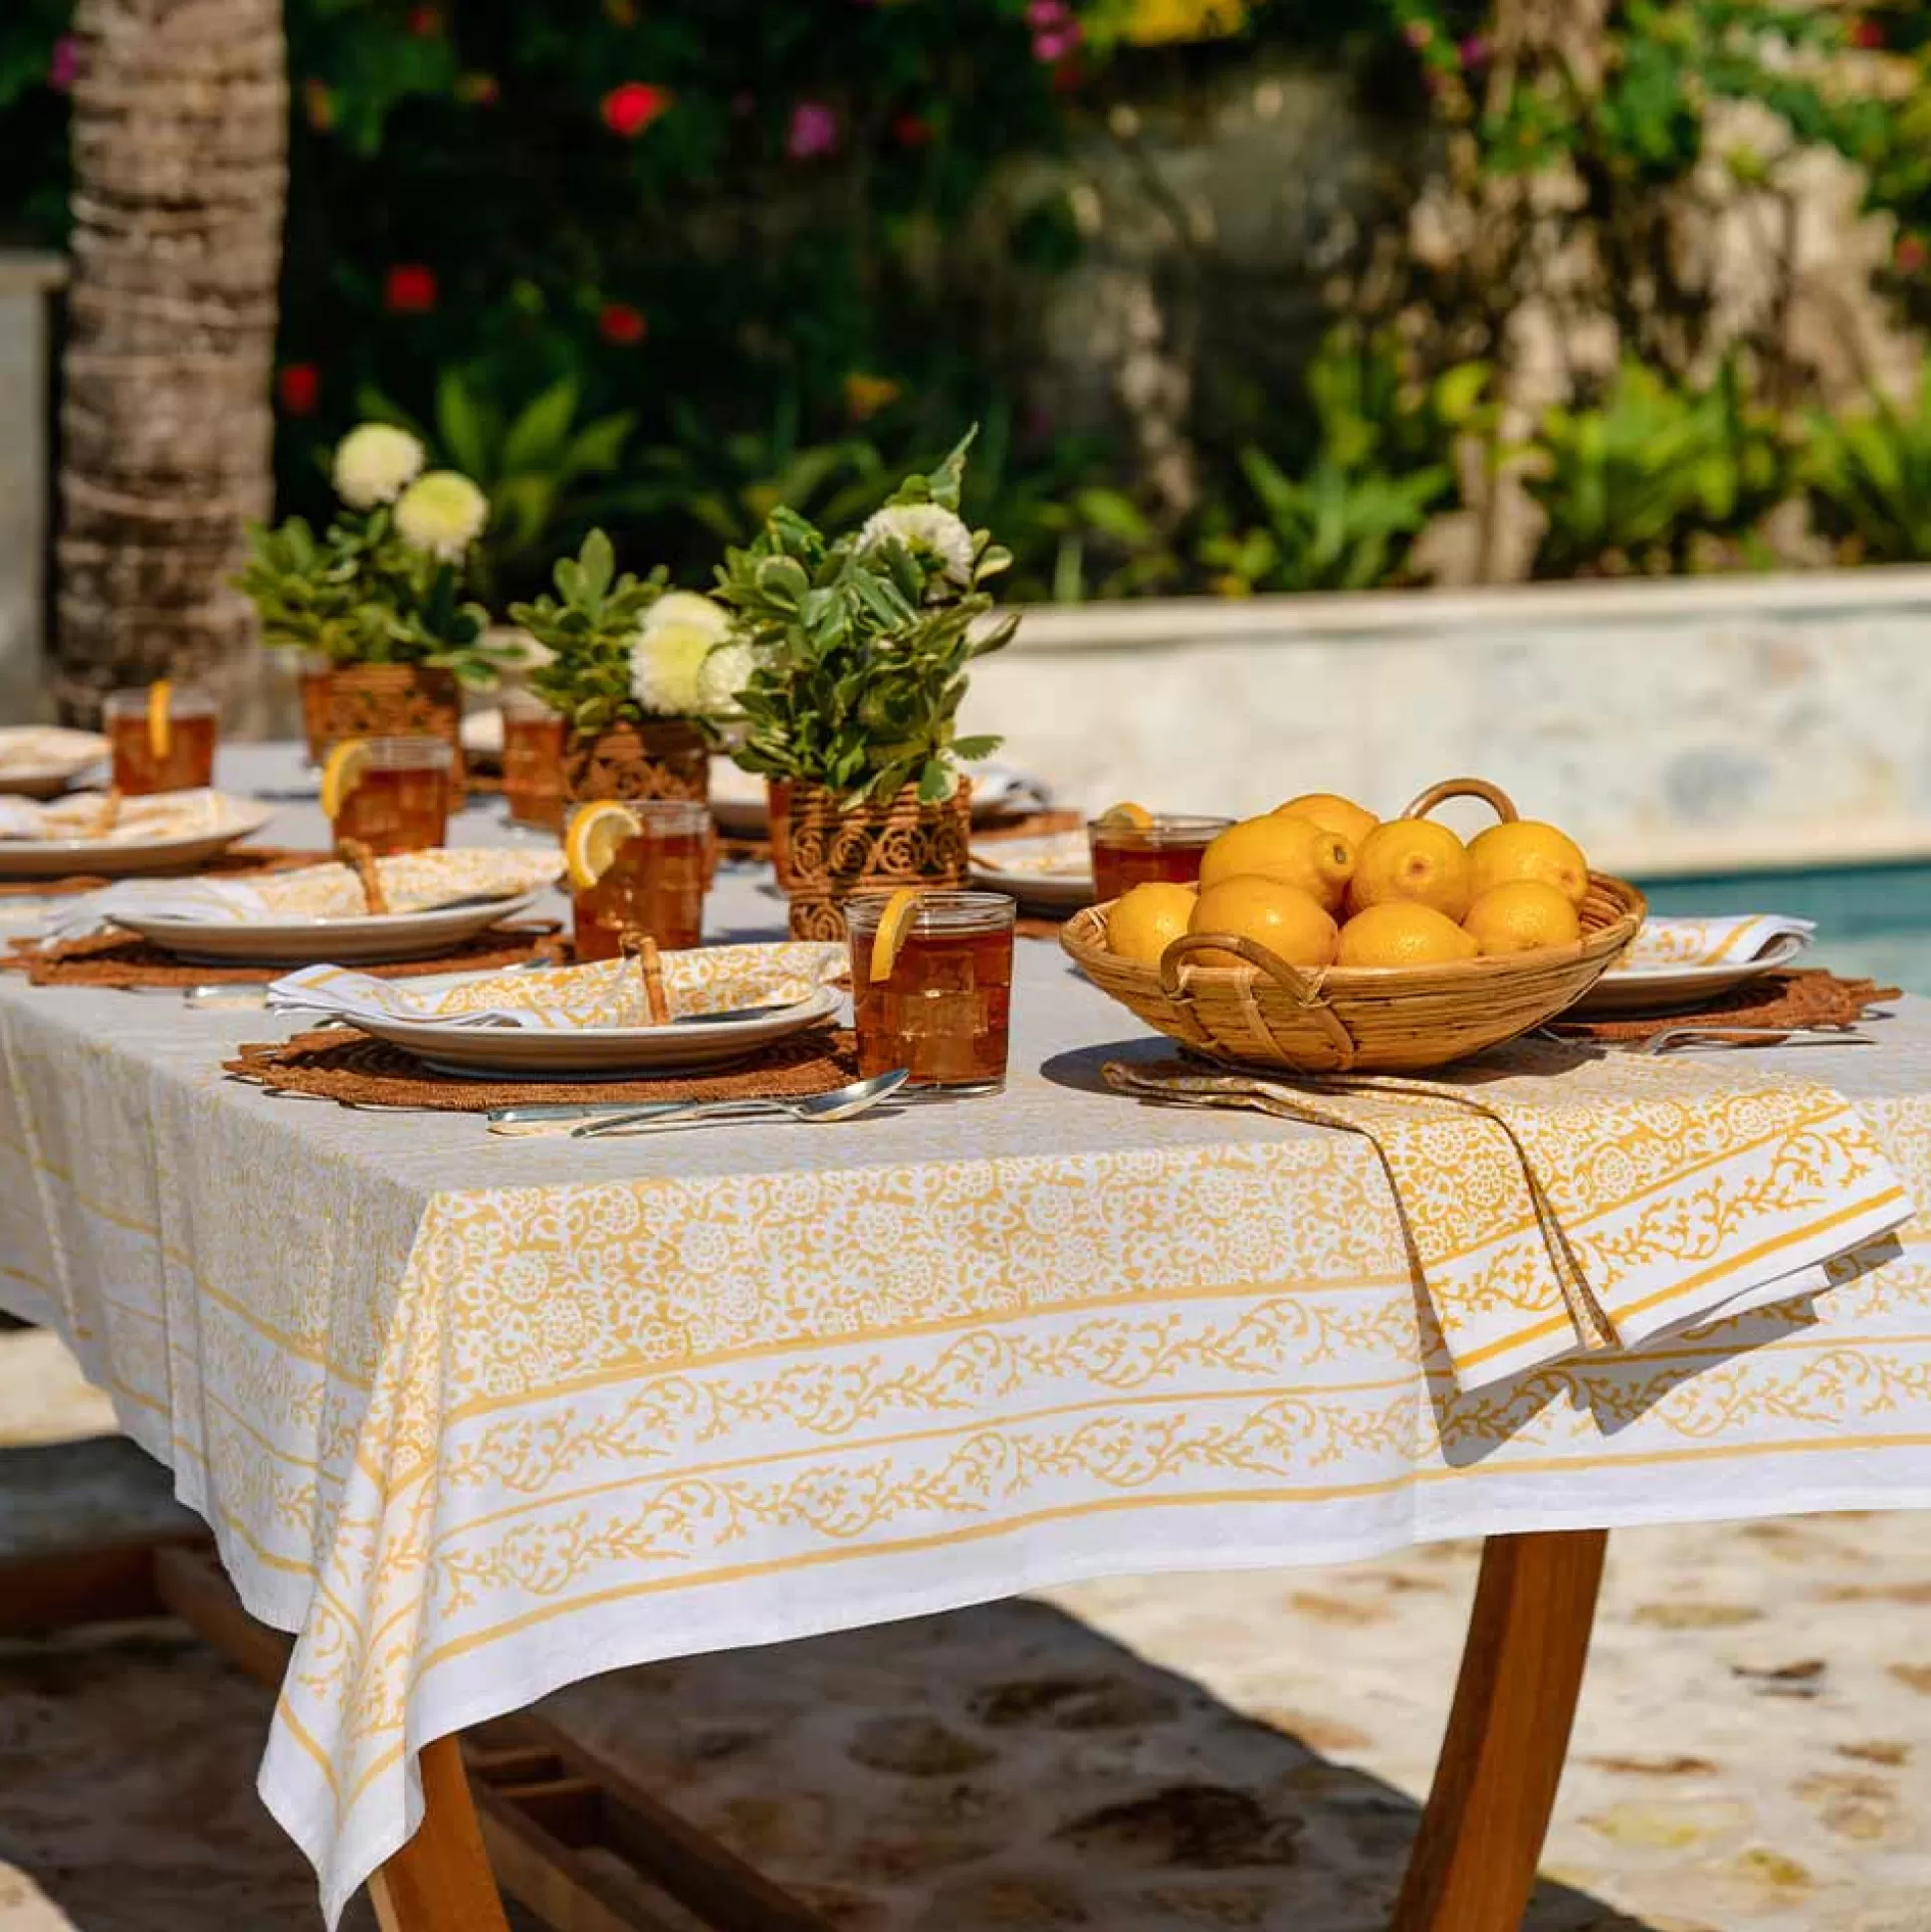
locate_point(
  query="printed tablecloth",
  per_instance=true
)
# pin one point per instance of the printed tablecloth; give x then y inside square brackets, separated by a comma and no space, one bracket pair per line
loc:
[476,1418]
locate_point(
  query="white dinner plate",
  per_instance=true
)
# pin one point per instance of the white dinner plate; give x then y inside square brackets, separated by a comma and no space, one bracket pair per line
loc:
[1681,988]
[567,1053]
[1052,874]
[357,940]
[60,858]
[42,760]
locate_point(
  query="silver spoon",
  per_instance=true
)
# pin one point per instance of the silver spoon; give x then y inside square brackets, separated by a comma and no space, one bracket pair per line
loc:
[844,1103]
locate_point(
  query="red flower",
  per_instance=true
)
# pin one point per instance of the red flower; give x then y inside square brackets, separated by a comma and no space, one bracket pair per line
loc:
[425,22]
[1911,254]
[912,130]
[410,290]
[298,386]
[1868,33]
[1067,74]
[318,104]
[630,109]
[619,322]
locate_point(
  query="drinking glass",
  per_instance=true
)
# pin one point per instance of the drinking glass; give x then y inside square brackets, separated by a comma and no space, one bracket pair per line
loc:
[654,884]
[312,677]
[1167,850]
[400,803]
[943,1007]
[172,753]
[533,761]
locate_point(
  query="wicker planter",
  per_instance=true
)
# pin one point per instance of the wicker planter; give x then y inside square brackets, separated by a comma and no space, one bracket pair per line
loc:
[669,759]
[835,852]
[777,817]
[396,701]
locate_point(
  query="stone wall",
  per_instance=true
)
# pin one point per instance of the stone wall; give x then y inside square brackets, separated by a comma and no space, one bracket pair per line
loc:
[1694,725]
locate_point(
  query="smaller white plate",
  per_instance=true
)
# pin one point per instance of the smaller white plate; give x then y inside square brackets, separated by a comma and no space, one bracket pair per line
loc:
[58,858]
[567,1053]
[1681,988]
[42,760]
[366,940]
[1052,874]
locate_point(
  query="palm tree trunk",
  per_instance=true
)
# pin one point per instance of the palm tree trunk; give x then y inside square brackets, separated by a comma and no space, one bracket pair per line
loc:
[180,146]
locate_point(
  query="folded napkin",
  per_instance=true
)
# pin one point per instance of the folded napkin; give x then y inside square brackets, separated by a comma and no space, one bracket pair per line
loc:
[41,749]
[412,882]
[1554,1200]
[1056,855]
[703,979]
[1709,942]
[160,814]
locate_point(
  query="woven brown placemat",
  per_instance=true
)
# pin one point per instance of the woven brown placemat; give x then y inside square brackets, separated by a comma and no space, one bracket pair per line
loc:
[355,1071]
[238,862]
[1811,996]
[119,960]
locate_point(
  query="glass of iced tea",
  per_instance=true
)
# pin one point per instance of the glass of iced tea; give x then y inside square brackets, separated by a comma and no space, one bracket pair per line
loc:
[162,739]
[312,676]
[533,761]
[637,864]
[391,793]
[1166,848]
[935,994]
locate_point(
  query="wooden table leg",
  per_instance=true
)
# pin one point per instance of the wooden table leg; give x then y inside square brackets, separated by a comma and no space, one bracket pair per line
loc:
[1474,1863]
[440,1881]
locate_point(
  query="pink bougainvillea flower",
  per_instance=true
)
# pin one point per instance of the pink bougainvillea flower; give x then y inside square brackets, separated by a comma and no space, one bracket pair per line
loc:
[410,290]
[298,387]
[1055,44]
[814,131]
[630,109]
[64,69]
[1472,51]
[1041,14]
[1911,254]
[619,322]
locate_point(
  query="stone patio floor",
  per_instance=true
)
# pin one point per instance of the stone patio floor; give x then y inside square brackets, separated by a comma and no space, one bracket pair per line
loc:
[1194,1754]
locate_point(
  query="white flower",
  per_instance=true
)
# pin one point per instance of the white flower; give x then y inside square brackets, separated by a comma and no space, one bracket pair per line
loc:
[682,664]
[375,464]
[933,535]
[443,514]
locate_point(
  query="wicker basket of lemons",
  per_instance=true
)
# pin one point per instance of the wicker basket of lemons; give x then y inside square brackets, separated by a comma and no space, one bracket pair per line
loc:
[1324,940]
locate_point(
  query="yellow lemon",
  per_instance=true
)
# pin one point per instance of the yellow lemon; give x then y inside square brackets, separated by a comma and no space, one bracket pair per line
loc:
[1412,860]
[1523,916]
[160,719]
[1127,814]
[1290,922]
[1333,813]
[894,922]
[345,768]
[1147,919]
[1296,851]
[1528,850]
[1400,933]
[597,834]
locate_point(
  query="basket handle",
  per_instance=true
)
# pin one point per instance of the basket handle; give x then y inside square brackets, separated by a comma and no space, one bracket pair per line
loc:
[1448,788]
[1305,990]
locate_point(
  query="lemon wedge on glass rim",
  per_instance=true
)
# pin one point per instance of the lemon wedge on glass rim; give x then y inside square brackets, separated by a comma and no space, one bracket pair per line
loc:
[1127,814]
[347,768]
[597,834]
[160,720]
[894,923]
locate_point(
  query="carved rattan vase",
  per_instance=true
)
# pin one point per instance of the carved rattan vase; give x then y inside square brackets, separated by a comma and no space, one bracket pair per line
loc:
[836,851]
[665,760]
[397,701]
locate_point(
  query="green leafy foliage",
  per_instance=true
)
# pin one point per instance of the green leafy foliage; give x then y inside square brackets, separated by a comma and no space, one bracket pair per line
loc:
[864,641]
[589,628]
[1869,478]
[1628,483]
[539,465]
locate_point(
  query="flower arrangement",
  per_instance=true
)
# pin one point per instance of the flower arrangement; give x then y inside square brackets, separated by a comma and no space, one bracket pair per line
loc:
[861,644]
[624,650]
[385,583]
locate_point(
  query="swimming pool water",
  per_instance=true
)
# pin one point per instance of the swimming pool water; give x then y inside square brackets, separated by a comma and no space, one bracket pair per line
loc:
[1872,921]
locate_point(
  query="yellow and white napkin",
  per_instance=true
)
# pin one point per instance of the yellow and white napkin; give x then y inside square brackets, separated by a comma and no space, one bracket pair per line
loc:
[610,992]
[141,822]
[1729,940]
[1554,1200]
[39,752]
[412,882]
